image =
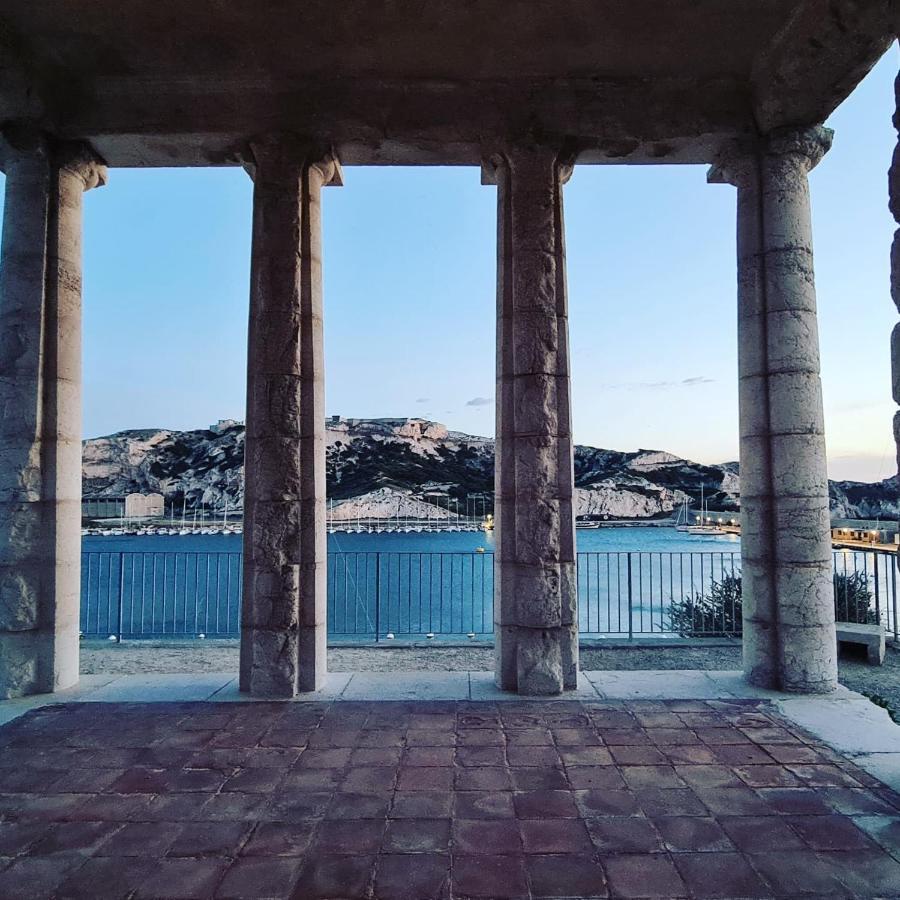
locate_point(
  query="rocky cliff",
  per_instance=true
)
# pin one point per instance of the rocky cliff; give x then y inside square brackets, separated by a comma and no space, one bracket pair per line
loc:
[387,467]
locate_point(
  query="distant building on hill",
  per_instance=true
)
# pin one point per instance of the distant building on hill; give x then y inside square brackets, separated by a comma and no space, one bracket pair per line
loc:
[102,507]
[144,506]
[225,424]
[132,506]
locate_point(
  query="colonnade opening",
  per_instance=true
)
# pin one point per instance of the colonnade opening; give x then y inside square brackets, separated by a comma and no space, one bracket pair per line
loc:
[166,274]
[410,297]
[448,312]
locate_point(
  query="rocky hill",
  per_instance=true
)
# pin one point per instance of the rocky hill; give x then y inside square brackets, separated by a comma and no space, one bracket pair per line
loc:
[386,467]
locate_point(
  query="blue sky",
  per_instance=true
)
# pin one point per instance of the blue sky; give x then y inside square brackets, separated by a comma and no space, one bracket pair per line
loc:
[410,294]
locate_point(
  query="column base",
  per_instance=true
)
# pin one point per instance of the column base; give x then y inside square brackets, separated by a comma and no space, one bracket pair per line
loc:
[283,664]
[826,686]
[268,663]
[536,662]
[312,667]
[793,683]
[30,664]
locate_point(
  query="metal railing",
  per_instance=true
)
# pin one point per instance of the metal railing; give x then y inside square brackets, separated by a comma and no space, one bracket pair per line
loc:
[130,594]
[865,588]
[384,595]
[636,593]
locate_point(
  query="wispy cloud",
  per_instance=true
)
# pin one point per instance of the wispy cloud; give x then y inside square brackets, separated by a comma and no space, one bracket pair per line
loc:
[659,385]
[423,399]
[480,401]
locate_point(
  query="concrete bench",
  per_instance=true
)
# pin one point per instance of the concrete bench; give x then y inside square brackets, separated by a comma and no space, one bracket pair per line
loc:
[872,636]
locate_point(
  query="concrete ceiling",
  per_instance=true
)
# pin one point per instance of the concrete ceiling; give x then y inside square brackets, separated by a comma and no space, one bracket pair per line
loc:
[457,40]
[164,82]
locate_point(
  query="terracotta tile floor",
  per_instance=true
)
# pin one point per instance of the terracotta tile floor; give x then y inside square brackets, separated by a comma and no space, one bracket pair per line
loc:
[431,800]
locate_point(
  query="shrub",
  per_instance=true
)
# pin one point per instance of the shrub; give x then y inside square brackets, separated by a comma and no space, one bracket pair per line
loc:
[853,599]
[716,613]
[720,611]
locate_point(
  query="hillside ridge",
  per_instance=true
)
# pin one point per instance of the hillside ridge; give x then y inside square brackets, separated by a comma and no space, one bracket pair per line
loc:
[387,466]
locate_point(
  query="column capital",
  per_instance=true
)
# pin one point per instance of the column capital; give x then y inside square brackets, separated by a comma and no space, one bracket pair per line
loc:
[25,141]
[515,156]
[291,151]
[81,160]
[801,149]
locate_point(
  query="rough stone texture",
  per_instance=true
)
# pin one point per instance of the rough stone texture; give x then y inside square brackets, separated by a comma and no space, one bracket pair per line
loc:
[536,642]
[894,206]
[792,82]
[789,639]
[432,82]
[40,409]
[514,799]
[283,616]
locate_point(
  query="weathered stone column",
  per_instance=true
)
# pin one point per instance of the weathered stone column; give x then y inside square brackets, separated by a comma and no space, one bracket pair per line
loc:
[535,622]
[894,204]
[40,410]
[788,593]
[283,622]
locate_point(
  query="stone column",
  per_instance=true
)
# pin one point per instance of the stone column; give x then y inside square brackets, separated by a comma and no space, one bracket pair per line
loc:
[535,620]
[40,410]
[894,204]
[283,621]
[789,637]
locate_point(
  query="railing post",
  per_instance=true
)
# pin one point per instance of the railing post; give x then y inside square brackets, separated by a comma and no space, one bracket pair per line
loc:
[377,597]
[877,592]
[630,608]
[894,594]
[121,594]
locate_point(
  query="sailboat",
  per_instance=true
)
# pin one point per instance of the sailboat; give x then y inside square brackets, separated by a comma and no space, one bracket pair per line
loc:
[683,520]
[703,528]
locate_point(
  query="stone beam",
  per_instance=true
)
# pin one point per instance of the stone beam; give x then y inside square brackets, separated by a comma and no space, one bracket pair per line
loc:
[823,51]
[135,122]
[23,88]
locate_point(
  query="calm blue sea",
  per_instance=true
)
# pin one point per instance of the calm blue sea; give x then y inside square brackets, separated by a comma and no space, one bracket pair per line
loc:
[605,540]
[395,586]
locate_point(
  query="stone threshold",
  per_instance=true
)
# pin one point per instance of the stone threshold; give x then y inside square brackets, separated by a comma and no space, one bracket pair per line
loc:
[845,720]
[638,642]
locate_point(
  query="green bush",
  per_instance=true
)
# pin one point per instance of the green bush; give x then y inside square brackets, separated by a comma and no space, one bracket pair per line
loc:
[853,599]
[720,611]
[717,613]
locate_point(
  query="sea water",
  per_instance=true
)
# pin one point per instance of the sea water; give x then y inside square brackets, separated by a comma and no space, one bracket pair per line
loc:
[394,585]
[622,539]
